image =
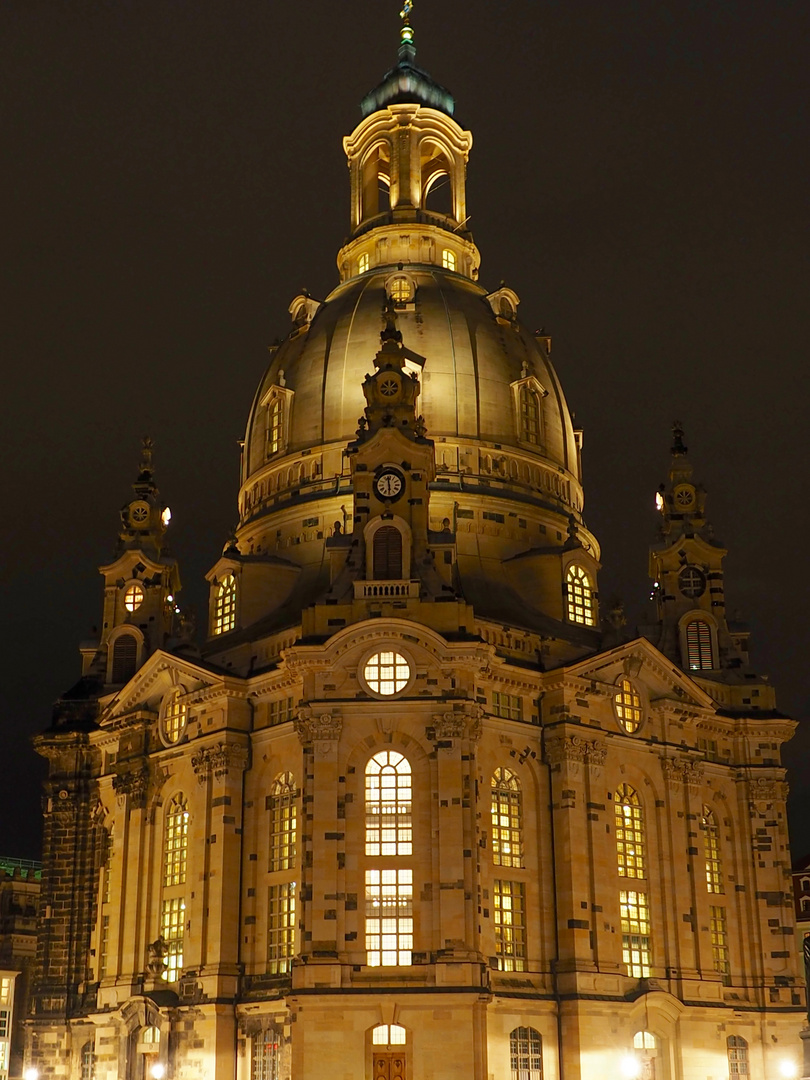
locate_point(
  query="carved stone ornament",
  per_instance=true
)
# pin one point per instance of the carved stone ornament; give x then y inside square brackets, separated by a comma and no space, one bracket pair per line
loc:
[133,785]
[310,729]
[457,725]
[217,761]
[767,790]
[574,748]
[682,771]
[156,953]
[63,803]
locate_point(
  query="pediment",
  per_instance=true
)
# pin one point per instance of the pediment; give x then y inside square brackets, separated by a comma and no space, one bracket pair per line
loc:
[639,659]
[161,673]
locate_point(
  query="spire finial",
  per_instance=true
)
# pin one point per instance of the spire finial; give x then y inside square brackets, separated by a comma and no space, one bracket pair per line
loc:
[407,49]
[678,447]
[145,469]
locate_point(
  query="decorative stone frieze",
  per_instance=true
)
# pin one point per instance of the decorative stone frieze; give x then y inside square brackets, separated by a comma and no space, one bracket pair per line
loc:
[132,785]
[457,725]
[321,732]
[573,748]
[218,760]
[682,771]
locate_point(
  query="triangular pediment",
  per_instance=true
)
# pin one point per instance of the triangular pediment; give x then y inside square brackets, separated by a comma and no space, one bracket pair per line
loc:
[162,672]
[640,660]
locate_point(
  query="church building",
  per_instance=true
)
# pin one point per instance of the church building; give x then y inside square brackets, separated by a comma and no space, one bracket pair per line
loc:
[418,808]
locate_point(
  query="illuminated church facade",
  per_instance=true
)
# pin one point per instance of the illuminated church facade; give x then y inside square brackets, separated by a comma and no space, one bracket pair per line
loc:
[418,809]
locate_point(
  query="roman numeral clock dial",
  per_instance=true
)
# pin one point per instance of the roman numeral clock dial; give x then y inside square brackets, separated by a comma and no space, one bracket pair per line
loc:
[389,484]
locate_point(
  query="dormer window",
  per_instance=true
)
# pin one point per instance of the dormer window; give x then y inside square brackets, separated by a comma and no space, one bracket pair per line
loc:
[580,596]
[278,404]
[400,289]
[225,613]
[275,426]
[529,415]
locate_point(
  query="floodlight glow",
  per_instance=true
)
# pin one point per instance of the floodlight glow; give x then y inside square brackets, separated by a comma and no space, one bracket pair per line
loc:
[788,1068]
[31,1074]
[158,1071]
[659,501]
[630,1067]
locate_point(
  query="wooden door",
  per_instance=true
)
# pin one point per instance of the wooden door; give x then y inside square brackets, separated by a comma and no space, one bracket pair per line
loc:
[389,1066]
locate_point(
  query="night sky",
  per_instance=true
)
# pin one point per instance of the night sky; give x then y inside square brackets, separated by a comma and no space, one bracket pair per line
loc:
[173,175]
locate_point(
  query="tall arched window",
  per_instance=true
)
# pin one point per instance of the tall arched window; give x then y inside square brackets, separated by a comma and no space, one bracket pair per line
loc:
[88,1062]
[526,1054]
[627,702]
[389,836]
[389,826]
[387,553]
[265,1055]
[173,908]
[225,613]
[629,832]
[275,425]
[579,596]
[699,646]
[174,717]
[711,850]
[737,1056]
[633,904]
[529,415]
[283,823]
[507,824]
[124,658]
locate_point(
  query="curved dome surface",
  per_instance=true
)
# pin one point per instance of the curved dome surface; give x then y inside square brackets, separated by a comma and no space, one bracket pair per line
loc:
[471,359]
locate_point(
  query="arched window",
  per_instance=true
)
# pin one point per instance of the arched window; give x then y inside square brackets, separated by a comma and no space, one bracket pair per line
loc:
[124,658]
[644,1040]
[388,1042]
[225,614]
[363,263]
[88,1060]
[579,596]
[283,823]
[699,646]
[389,826]
[275,425]
[389,1035]
[529,415]
[627,701]
[387,553]
[711,850]
[448,259]
[737,1056]
[176,842]
[629,832]
[507,825]
[526,1054]
[265,1055]
[174,717]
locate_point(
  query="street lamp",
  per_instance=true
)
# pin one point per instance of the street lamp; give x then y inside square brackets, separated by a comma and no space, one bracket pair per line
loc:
[158,1071]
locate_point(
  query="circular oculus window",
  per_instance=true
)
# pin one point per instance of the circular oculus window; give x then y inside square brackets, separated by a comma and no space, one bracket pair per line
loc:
[628,705]
[692,582]
[387,673]
[133,597]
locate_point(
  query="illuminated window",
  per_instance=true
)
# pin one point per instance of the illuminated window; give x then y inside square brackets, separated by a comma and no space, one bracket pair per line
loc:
[711,849]
[526,1054]
[507,706]
[387,673]
[448,259]
[629,832]
[5,991]
[692,582]
[88,1062]
[719,933]
[174,718]
[698,646]
[579,596]
[389,917]
[280,927]
[387,553]
[635,916]
[529,415]
[275,420]
[628,706]
[265,1055]
[389,1035]
[283,823]
[644,1040]
[176,842]
[363,263]
[389,824]
[172,925]
[124,658]
[507,832]
[133,597]
[400,289]
[509,909]
[737,1056]
[225,614]
[280,711]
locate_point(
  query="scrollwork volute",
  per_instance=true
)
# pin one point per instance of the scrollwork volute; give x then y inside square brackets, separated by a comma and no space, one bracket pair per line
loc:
[457,725]
[218,761]
[575,749]
[321,732]
[133,786]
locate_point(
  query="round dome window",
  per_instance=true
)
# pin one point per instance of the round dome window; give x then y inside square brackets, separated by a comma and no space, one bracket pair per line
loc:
[387,673]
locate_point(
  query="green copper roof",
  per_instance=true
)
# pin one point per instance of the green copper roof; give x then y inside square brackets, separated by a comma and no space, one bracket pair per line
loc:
[407,84]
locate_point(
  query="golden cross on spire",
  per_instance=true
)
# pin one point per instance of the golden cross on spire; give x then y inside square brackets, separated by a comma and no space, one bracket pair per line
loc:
[407,8]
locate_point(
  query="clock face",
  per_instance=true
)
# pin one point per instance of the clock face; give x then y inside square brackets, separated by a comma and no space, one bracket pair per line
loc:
[684,496]
[389,484]
[139,512]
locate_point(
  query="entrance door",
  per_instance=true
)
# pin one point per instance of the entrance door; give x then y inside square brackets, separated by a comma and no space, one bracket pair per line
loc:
[389,1066]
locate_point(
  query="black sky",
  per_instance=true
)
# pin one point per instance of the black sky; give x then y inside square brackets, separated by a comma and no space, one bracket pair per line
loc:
[173,175]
